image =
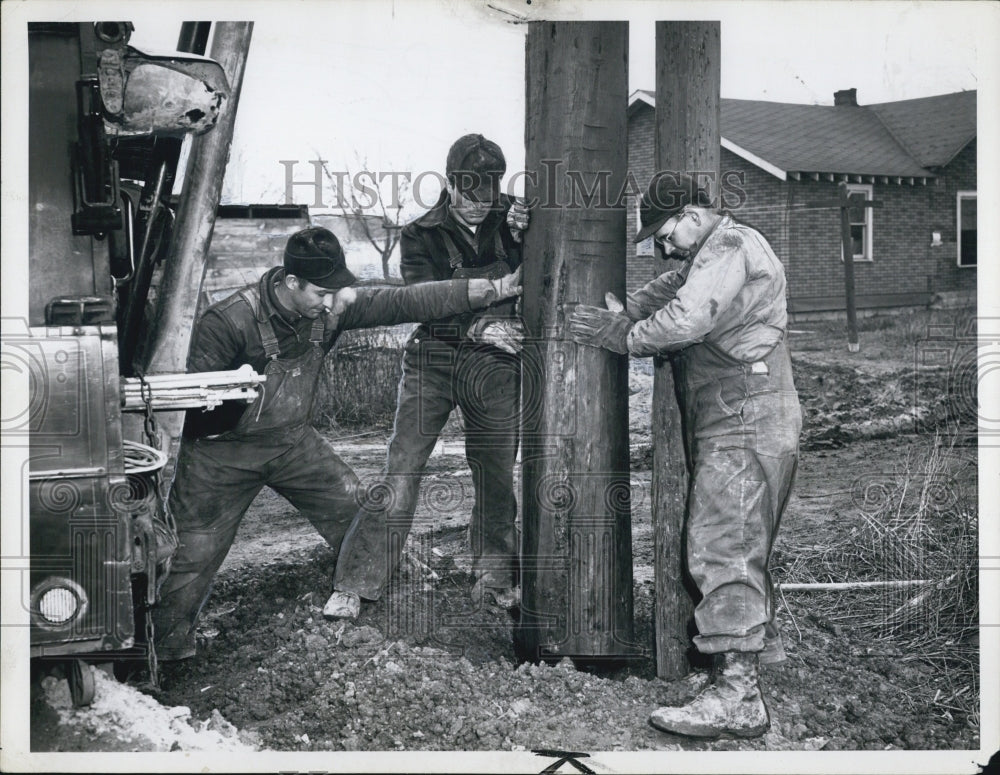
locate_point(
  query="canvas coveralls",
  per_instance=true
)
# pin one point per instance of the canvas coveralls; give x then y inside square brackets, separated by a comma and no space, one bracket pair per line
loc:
[724,316]
[443,369]
[227,455]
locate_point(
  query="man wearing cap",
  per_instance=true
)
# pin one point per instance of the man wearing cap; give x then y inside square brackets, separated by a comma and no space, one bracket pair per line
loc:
[282,326]
[470,361]
[722,319]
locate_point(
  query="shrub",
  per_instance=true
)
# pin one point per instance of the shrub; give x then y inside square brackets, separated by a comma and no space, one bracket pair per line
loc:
[359,381]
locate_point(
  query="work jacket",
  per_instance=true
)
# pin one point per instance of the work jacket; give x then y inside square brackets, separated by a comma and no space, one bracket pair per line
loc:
[436,247]
[228,336]
[730,295]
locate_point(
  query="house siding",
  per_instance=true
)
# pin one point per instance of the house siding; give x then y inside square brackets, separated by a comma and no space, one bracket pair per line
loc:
[905,269]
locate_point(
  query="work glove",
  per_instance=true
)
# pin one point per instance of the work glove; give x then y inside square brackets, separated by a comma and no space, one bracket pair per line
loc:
[517,218]
[599,327]
[483,292]
[506,334]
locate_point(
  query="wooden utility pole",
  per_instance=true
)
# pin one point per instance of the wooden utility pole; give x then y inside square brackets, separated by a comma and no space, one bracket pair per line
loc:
[845,204]
[688,56]
[576,537]
[177,297]
[845,238]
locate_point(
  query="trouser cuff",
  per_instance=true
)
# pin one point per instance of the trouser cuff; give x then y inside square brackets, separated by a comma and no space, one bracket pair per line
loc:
[716,644]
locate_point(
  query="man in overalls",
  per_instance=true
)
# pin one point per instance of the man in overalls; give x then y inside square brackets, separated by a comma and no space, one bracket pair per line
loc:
[722,317]
[470,361]
[282,326]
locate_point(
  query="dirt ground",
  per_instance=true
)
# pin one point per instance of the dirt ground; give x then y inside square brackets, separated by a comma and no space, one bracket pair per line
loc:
[427,669]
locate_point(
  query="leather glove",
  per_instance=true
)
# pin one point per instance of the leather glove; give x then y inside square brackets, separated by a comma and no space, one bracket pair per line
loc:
[506,334]
[482,293]
[517,218]
[600,327]
[629,308]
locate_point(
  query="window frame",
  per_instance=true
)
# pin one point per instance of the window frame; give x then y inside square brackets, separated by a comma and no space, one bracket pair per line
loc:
[867,255]
[959,196]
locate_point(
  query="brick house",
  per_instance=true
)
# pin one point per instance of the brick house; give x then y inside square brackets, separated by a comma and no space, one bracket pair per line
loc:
[917,157]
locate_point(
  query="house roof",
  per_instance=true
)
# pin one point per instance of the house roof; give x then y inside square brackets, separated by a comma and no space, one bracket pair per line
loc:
[896,140]
[932,129]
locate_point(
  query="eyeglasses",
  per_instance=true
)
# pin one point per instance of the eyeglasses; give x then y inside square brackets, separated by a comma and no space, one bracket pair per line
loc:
[664,240]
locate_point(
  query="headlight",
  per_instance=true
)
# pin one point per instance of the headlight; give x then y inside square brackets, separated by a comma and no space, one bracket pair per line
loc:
[58,605]
[58,601]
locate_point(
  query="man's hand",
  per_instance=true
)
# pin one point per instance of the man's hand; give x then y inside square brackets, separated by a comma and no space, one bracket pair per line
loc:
[506,334]
[600,327]
[482,293]
[517,218]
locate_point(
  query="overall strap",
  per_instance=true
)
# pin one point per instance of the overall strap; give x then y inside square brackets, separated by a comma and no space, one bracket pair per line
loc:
[267,335]
[317,331]
[455,257]
[499,251]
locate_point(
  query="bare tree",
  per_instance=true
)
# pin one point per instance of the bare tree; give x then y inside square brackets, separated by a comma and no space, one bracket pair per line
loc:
[383,226]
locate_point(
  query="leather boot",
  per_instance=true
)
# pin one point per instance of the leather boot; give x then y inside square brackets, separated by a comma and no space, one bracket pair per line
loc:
[732,705]
[682,690]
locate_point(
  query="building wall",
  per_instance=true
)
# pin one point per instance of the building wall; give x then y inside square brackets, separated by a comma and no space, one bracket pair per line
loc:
[960,175]
[807,239]
[640,269]
[903,260]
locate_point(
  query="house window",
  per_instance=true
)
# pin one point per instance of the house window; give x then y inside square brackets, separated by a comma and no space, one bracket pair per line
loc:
[861,223]
[646,247]
[965,220]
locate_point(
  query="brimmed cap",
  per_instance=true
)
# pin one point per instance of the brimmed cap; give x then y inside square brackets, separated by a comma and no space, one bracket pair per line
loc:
[314,254]
[666,196]
[475,166]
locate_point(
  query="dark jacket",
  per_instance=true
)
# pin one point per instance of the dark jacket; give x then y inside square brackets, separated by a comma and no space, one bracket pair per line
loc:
[227,335]
[430,247]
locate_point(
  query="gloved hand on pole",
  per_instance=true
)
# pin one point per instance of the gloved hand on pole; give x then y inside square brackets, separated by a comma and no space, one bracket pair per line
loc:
[517,218]
[600,327]
[483,292]
[506,334]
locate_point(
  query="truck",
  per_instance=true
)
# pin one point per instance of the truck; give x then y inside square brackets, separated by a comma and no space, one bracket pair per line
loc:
[107,127]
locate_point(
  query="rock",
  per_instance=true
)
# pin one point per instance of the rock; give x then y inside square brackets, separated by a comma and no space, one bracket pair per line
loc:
[217,723]
[359,636]
[315,642]
[520,707]
[351,743]
[179,712]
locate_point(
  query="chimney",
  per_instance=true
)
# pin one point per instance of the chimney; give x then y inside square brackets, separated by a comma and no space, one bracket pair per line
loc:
[845,97]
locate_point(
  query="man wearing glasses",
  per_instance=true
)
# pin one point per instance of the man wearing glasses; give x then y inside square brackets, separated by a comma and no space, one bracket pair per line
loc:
[722,318]
[470,361]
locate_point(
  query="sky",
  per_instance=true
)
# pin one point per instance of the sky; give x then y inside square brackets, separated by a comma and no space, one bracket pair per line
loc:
[387,86]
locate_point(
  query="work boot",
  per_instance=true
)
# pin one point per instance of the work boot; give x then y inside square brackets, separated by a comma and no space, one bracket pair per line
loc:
[342,605]
[732,705]
[167,654]
[683,690]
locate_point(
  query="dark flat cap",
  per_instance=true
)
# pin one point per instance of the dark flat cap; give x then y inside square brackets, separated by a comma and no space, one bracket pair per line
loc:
[667,195]
[314,254]
[475,165]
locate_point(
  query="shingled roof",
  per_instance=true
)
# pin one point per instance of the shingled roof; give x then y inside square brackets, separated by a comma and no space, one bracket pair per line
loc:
[894,140]
[932,129]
